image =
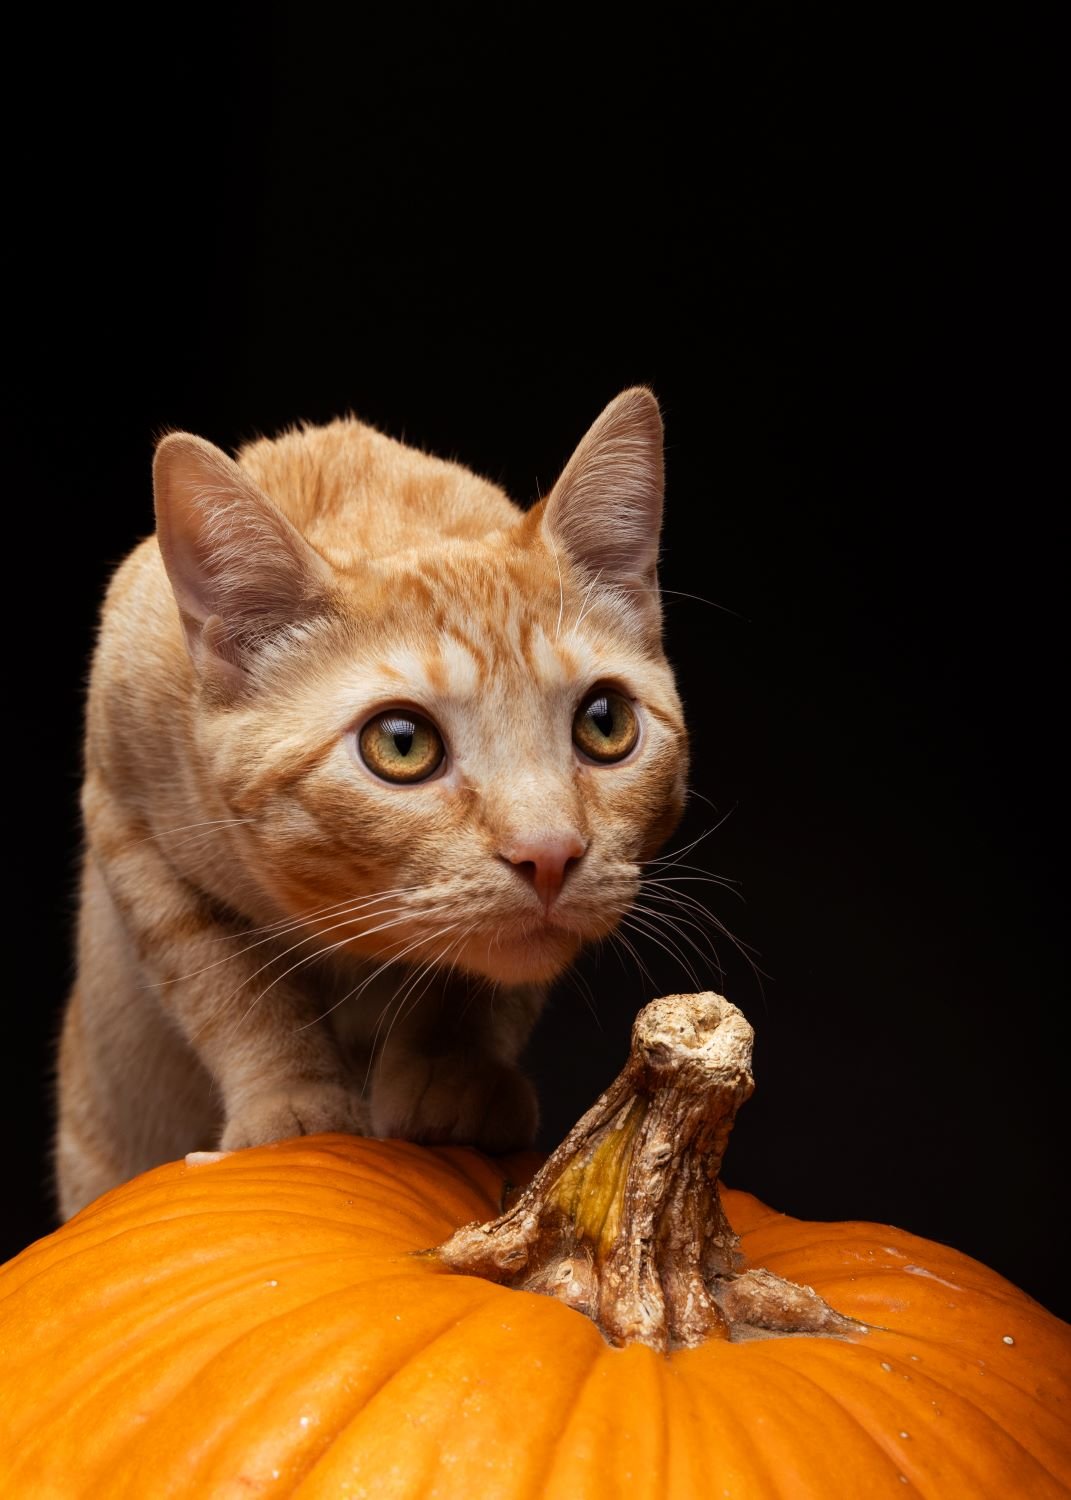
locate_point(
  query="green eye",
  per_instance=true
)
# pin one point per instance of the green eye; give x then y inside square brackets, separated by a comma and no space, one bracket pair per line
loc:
[400,745]
[606,727]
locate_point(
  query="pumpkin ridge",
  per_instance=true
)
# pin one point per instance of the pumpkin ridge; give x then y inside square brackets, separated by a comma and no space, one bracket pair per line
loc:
[466,1177]
[995,1412]
[916,1306]
[757,1459]
[860,1233]
[342,1214]
[76,1241]
[146,1436]
[391,1154]
[901,1459]
[299,1310]
[554,1453]
[171,1319]
[826,1397]
[683,1408]
[365,1414]
[114,1241]
[386,1162]
[950,1393]
[1008,1300]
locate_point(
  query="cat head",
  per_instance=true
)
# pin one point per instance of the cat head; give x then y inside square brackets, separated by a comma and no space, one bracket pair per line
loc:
[457,751]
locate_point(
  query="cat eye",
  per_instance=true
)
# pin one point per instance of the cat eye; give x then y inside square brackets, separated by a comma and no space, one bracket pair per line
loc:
[606,727]
[400,745]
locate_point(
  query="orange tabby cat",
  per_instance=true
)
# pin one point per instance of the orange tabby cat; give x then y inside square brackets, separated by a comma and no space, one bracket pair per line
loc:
[370,753]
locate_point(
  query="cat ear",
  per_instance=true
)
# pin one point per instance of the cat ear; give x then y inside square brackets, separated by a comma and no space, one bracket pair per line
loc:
[239,570]
[606,509]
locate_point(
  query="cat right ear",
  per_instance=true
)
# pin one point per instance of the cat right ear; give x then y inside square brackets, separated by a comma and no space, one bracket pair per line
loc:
[606,509]
[239,570]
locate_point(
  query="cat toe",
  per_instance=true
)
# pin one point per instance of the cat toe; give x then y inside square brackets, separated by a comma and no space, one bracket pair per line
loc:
[281,1115]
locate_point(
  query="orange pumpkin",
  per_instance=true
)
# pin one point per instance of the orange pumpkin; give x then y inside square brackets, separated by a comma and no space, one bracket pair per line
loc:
[259,1325]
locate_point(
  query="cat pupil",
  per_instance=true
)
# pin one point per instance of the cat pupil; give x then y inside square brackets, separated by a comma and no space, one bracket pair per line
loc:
[402,732]
[604,719]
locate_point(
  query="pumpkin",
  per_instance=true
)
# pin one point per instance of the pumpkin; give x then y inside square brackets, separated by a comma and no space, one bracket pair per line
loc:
[278,1322]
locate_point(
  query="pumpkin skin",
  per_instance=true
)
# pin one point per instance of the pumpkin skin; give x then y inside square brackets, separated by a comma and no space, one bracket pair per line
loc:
[258,1325]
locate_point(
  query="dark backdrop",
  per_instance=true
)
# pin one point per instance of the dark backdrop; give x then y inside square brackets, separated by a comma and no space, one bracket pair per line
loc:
[829,256]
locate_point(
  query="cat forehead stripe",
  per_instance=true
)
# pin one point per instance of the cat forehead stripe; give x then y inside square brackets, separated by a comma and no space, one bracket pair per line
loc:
[558,663]
[457,668]
[447,669]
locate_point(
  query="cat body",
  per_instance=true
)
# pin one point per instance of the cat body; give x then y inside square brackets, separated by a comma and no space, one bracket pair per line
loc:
[370,753]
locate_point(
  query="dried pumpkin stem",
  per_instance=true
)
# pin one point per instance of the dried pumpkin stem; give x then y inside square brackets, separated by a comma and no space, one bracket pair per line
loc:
[624,1221]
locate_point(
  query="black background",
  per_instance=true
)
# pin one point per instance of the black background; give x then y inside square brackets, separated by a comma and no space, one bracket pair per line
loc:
[830,256]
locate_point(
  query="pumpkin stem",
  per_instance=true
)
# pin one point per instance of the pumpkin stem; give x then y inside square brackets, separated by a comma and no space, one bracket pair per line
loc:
[624,1221]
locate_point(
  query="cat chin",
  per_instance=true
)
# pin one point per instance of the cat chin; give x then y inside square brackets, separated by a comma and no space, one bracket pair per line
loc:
[535,958]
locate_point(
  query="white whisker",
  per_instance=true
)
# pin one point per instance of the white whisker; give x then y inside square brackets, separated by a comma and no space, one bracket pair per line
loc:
[206,823]
[680,594]
[648,929]
[358,990]
[703,878]
[619,937]
[406,915]
[355,908]
[702,945]
[283,924]
[427,973]
[561,586]
[702,911]
[669,860]
[697,909]
[584,990]
[588,600]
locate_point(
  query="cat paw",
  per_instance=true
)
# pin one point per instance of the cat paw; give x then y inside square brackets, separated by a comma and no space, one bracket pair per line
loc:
[457,1098]
[304,1109]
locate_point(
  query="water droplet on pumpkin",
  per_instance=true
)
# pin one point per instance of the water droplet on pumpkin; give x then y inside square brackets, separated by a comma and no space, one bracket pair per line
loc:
[273,1283]
[905,1434]
[304,1421]
[903,1479]
[1008,1339]
[886,1366]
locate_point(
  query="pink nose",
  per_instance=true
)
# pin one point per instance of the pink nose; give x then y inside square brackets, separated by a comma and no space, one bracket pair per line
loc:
[545,861]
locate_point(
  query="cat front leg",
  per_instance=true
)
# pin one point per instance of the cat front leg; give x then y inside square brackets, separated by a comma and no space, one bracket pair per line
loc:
[451,1074]
[277,1070]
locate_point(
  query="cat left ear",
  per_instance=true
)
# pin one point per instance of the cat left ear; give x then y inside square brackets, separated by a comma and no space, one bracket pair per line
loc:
[606,509]
[239,570]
